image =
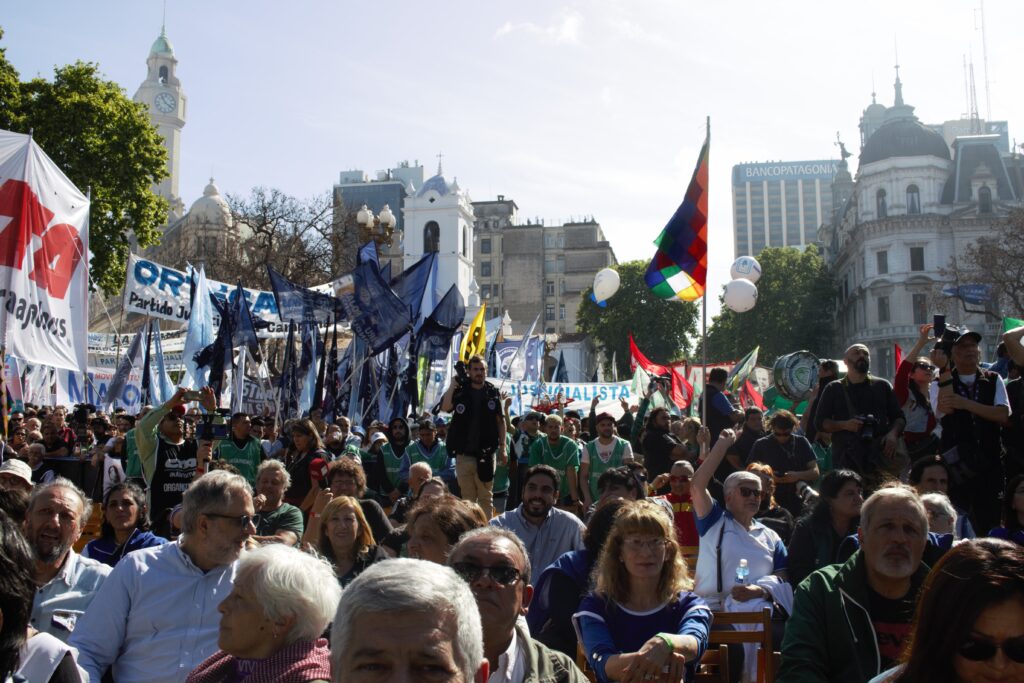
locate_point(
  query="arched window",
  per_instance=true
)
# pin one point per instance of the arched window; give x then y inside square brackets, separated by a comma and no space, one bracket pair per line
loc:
[163,74]
[431,237]
[465,241]
[913,200]
[880,204]
[984,199]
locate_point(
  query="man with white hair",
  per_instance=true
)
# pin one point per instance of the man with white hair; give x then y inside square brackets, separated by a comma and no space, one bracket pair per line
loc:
[276,520]
[68,583]
[403,617]
[850,621]
[156,618]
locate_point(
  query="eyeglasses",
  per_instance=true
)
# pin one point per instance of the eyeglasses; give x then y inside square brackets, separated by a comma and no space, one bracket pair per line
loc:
[470,572]
[924,366]
[638,544]
[984,650]
[242,520]
[678,480]
[747,493]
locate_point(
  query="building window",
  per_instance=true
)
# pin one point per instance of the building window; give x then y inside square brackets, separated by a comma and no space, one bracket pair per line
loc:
[485,291]
[549,288]
[920,306]
[561,311]
[882,259]
[431,237]
[549,312]
[485,245]
[163,74]
[880,204]
[984,199]
[465,241]
[913,200]
[883,309]
[917,259]
[485,269]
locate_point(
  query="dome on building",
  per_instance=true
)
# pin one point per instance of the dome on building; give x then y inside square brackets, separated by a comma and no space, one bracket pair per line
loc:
[210,208]
[903,137]
[161,45]
[438,184]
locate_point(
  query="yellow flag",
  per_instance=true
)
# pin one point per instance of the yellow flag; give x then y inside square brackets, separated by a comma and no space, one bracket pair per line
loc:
[475,341]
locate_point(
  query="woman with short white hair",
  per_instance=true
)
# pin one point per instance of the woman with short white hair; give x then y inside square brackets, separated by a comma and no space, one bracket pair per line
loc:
[282,601]
[941,514]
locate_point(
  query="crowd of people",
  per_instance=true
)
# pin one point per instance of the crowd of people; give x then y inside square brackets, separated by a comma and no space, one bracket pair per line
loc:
[883,528]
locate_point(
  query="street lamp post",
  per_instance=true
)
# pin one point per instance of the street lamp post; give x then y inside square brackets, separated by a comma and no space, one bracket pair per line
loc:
[379,228]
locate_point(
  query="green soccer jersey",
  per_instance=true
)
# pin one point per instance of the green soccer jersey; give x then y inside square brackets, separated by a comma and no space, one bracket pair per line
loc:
[561,456]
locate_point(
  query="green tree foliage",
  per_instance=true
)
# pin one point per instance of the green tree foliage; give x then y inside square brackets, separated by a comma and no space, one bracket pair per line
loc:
[795,299]
[661,328]
[101,140]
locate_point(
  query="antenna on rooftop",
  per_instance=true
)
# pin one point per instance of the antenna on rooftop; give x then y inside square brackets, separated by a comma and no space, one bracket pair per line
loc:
[980,13]
[975,122]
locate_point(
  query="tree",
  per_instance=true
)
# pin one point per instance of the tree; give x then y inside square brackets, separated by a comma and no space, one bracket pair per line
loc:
[795,299]
[662,329]
[103,142]
[997,260]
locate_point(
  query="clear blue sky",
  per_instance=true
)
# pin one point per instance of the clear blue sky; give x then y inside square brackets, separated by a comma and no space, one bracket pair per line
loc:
[572,109]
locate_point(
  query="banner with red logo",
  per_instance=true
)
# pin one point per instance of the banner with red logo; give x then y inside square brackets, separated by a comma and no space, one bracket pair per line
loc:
[44,263]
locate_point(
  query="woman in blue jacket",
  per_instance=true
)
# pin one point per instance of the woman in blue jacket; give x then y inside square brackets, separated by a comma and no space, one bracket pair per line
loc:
[125,525]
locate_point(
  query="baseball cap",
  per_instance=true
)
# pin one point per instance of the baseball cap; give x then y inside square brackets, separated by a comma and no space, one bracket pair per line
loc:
[604,416]
[358,430]
[967,334]
[17,468]
[534,415]
[377,436]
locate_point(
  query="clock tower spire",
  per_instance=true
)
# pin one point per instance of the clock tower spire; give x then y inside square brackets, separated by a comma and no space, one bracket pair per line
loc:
[161,92]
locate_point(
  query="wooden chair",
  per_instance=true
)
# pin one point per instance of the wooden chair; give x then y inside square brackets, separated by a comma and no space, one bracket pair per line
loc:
[92,529]
[584,666]
[713,666]
[761,636]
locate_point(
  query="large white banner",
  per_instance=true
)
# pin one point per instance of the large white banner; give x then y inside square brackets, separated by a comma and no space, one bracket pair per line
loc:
[163,292]
[577,395]
[44,269]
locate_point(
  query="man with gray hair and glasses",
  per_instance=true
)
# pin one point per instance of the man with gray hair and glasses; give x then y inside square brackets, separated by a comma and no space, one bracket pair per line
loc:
[407,620]
[57,513]
[495,564]
[851,621]
[155,618]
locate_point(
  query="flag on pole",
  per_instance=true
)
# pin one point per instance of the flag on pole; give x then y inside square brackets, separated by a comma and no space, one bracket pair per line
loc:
[243,328]
[740,372]
[561,373]
[475,341]
[679,267]
[131,361]
[520,353]
[160,386]
[200,331]
[368,253]
[898,355]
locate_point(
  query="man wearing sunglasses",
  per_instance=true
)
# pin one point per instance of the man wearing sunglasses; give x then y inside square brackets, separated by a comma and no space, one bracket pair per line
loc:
[850,621]
[155,618]
[678,480]
[495,564]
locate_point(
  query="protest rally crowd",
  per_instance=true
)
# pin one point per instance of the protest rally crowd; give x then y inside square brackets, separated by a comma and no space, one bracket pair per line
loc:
[882,529]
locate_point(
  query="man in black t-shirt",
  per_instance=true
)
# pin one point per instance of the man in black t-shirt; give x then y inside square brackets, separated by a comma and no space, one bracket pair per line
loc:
[865,420]
[790,457]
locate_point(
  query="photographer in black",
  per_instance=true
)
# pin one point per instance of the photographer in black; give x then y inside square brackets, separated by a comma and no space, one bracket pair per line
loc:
[476,434]
[971,405]
[865,421]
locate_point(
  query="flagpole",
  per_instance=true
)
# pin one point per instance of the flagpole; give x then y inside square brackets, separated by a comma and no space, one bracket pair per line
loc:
[704,324]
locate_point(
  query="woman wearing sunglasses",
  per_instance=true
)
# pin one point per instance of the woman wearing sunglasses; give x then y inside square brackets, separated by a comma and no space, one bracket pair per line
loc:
[969,625]
[642,622]
[911,386]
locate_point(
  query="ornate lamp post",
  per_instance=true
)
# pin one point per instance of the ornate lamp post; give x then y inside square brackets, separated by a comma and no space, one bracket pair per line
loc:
[379,228]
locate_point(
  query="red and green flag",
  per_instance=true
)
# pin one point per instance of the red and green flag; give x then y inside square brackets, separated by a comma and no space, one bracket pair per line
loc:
[680,266]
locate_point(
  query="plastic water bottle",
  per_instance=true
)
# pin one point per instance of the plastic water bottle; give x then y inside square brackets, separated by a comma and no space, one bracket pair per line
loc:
[742,570]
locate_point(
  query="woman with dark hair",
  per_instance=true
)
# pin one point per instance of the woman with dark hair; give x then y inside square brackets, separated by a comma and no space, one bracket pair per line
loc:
[911,386]
[306,462]
[435,525]
[1013,512]
[969,624]
[563,584]
[818,534]
[125,525]
[771,514]
[642,622]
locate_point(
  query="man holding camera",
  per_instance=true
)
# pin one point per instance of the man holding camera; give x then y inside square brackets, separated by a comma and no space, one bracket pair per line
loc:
[971,405]
[477,432]
[865,421]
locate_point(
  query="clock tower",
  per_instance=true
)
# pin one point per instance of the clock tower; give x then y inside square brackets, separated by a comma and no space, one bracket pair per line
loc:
[161,92]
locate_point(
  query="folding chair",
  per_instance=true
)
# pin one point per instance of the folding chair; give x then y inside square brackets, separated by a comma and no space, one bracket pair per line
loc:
[761,636]
[713,666]
[584,666]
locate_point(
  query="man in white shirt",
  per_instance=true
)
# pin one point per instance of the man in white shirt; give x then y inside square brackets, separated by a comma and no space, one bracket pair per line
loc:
[495,564]
[156,616]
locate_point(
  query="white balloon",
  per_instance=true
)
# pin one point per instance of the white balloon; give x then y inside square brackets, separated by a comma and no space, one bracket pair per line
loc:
[606,283]
[746,267]
[740,295]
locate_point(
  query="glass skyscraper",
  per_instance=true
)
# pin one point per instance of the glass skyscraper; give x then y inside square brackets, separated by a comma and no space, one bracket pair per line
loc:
[780,204]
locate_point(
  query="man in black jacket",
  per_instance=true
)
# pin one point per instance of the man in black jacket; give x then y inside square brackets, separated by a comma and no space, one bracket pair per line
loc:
[476,435]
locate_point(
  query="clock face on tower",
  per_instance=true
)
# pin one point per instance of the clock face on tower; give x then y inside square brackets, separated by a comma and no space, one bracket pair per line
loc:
[165,102]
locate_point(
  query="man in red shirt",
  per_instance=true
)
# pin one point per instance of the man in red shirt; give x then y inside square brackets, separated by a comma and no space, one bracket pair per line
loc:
[678,479]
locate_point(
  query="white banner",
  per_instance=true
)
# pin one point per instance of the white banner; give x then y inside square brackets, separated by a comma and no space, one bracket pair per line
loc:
[578,395]
[163,292]
[44,270]
[71,389]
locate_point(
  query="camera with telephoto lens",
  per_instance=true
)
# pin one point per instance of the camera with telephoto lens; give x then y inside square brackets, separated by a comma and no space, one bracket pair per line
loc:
[461,373]
[867,430]
[945,342]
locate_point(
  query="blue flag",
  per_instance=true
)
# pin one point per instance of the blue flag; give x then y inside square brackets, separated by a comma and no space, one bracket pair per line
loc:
[368,253]
[288,399]
[561,373]
[308,366]
[243,328]
[200,331]
[534,359]
[131,360]
[378,316]
[411,284]
[160,386]
[300,304]
[432,342]
[385,272]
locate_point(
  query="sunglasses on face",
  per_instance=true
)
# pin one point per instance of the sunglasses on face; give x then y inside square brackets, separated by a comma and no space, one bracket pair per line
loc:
[748,493]
[978,650]
[924,366]
[470,572]
[241,520]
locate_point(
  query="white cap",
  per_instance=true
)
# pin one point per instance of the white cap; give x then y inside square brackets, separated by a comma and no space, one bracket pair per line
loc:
[18,468]
[377,436]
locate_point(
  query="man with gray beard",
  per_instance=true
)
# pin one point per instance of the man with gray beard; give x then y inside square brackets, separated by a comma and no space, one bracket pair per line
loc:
[57,513]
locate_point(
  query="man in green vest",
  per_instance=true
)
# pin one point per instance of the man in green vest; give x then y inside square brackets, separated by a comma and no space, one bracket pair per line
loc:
[392,469]
[132,464]
[241,449]
[605,452]
[563,454]
[431,450]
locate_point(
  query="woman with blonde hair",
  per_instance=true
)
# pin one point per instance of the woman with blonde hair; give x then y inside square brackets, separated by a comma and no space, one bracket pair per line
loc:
[346,540]
[642,621]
